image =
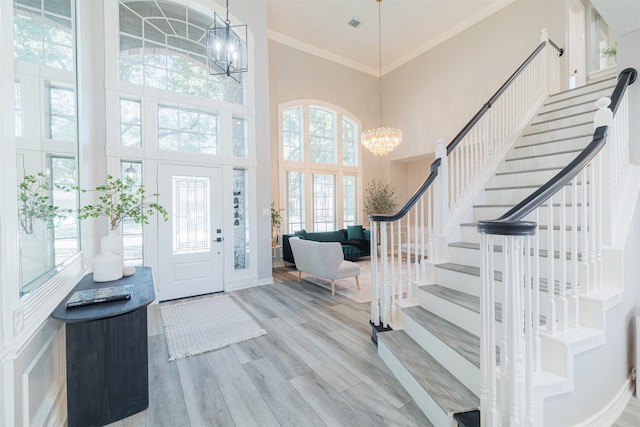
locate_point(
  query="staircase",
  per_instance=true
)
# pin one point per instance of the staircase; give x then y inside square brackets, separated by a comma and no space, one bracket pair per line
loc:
[437,355]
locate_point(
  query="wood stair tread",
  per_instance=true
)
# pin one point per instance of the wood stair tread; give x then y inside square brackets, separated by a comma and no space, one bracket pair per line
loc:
[462,341]
[445,389]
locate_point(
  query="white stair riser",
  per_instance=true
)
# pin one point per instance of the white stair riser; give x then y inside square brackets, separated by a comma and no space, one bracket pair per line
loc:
[522,178]
[558,160]
[471,257]
[461,282]
[469,233]
[571,132]
[464,370]
[551,147]
[497,196]
[579,95]
[426,403]
[560,123]
[576,108]
[467,319]
[499,290]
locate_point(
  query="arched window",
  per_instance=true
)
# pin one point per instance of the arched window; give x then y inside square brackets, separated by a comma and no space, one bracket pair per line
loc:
[320,169]
[163,45]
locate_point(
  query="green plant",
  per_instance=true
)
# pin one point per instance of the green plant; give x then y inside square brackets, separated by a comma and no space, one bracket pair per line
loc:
[610,51]
[34,202]
[380,198]
[276,216]
[120,200]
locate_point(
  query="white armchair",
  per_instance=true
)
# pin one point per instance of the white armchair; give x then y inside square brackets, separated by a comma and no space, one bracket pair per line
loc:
[324,260]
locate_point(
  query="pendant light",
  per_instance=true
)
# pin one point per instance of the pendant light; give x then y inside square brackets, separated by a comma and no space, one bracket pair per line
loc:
[381,140]
[227,47]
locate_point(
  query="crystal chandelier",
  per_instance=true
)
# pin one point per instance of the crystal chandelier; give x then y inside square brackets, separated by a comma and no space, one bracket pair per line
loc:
[227,47]
[381,140]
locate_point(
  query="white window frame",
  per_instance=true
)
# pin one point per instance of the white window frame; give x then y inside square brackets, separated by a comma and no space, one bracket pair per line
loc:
[150,155]
[308,168]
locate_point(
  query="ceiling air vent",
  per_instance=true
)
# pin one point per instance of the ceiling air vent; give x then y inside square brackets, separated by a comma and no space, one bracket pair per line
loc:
[354,23]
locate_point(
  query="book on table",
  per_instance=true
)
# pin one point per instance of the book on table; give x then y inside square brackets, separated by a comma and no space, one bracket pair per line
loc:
[95,296]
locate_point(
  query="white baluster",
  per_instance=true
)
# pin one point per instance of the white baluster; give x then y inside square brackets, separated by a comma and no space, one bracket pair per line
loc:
[563,307]
[593,209]
[375,306]
[536,294]
[385,274]
[575,282]
[395,304]
[585,279]
[551,297]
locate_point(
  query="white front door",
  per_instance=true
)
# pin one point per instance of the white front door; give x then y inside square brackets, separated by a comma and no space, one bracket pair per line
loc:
[191,242]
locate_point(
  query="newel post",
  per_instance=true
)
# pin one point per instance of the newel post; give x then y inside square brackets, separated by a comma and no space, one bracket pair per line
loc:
[551,59]
[441,200]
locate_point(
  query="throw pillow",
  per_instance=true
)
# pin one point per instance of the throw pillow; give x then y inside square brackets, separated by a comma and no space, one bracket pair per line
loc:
[354,232]
[302,234]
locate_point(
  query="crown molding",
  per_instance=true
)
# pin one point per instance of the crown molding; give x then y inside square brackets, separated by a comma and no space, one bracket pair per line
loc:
[425,47]
[321,53]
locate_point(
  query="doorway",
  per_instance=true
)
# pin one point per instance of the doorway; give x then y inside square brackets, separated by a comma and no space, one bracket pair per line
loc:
[190,244]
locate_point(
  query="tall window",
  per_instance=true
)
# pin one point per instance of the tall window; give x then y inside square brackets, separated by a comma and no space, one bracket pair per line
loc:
[130,123]
[62,114]
[18,123]
[44,63]
[319,158]
[350,195]
[132,233]
[603,44]
[294,190]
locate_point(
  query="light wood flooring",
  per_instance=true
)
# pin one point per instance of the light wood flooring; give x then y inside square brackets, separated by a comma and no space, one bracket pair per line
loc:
[315,366]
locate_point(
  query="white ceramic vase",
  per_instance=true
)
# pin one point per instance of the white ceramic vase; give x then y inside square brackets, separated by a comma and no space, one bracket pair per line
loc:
[109,265]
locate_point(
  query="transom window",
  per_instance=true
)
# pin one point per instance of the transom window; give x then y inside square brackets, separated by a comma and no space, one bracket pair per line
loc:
[319,159]
[163,45]
[185,130]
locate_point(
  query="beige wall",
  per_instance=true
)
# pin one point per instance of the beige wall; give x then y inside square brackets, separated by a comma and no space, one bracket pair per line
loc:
[430,97]
[437,93]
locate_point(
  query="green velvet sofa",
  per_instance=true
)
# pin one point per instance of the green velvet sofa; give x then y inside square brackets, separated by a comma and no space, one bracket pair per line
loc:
[354,241]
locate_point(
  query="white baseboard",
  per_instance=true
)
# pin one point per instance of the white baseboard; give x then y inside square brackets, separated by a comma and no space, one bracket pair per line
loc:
[613,410]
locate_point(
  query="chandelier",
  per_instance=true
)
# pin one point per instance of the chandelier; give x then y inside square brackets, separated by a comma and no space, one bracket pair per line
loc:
[381,140]
[227,47]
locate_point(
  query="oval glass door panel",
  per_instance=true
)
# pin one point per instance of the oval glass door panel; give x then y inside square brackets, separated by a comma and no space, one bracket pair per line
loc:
[191,242]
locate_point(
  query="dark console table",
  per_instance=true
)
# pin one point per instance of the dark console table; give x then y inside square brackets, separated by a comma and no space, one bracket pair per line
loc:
[107,363]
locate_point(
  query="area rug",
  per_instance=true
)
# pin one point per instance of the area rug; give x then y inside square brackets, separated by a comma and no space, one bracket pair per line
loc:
[345,287]
[206,324]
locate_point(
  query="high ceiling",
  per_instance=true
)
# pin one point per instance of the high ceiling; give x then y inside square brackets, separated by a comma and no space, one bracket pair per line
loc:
[409,27]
